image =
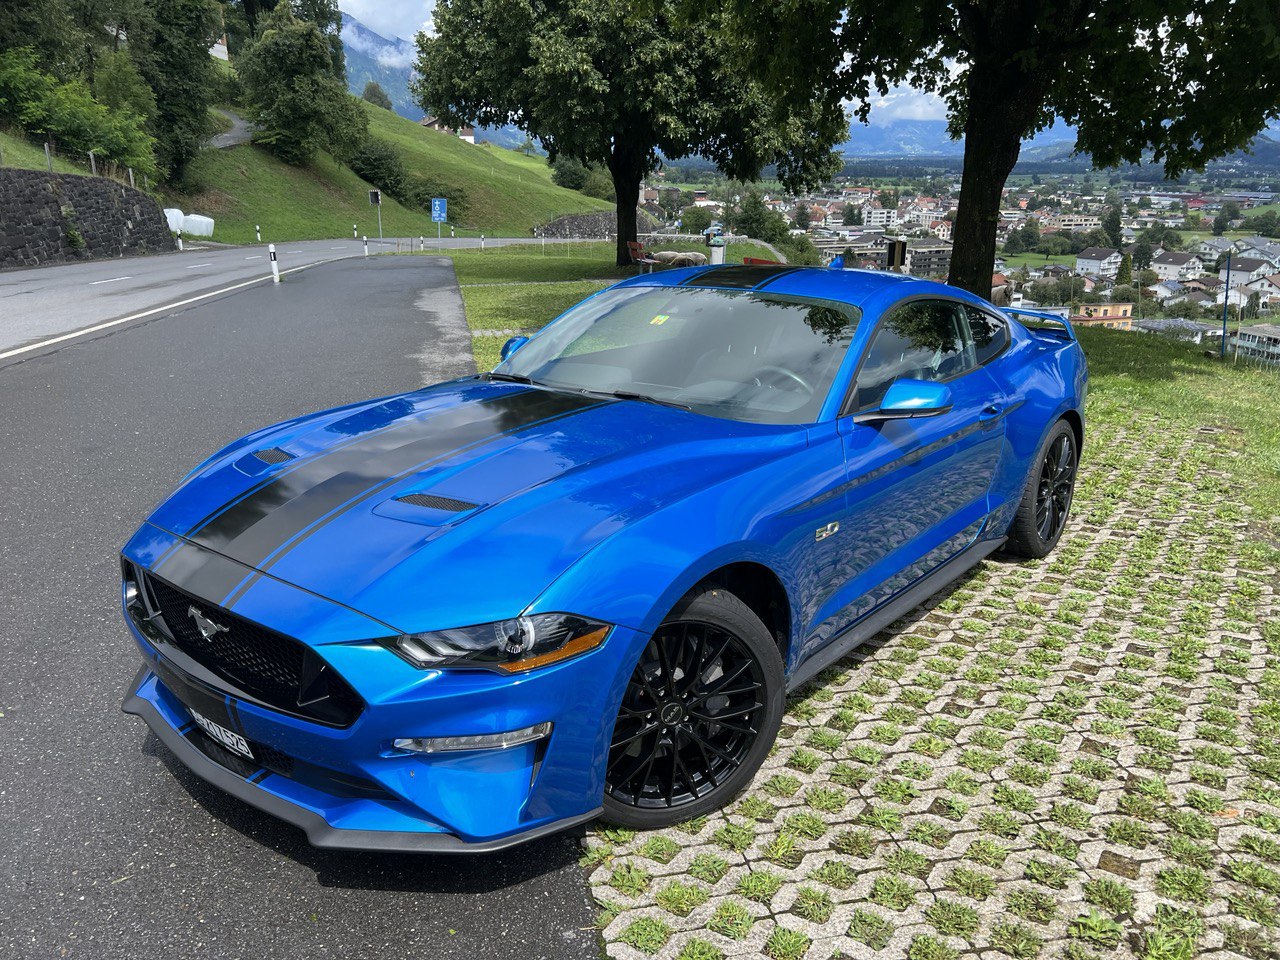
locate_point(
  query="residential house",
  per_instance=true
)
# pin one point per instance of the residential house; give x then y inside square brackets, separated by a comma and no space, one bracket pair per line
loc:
[874,215]
[1258,342]
[462,133]
[1267,287]
[1118,316]
[940,229]
[1178,328]
[1245,269]
[1213,247]
[1100,260]
[928,258]
[1172,265]
[1166,290]
[1075,222]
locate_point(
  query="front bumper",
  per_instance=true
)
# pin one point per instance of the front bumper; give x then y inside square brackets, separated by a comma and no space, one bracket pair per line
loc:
[346,788]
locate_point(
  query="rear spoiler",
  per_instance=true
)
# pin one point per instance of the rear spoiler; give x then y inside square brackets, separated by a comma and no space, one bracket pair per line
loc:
[1067,333]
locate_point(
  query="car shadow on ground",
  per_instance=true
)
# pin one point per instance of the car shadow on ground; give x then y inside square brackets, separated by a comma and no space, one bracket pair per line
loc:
[402,872]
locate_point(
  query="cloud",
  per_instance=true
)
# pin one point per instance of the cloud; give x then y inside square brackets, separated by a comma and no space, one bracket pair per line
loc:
[904,103]
[401,55]
[391,18]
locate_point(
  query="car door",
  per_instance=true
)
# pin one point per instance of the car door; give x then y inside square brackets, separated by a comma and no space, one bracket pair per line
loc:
[917,488]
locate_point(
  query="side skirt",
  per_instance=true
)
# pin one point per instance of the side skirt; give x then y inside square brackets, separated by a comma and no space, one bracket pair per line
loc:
[892,609]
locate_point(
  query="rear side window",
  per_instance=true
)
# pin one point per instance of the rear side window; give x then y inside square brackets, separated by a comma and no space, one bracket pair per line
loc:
[990,334]
[920,340]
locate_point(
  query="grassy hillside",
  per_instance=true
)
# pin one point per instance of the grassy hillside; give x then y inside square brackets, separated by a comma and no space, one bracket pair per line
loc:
[24,155]
[506,191]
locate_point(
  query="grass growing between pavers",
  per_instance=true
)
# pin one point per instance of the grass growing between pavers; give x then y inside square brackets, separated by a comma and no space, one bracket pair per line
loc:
[1077,757]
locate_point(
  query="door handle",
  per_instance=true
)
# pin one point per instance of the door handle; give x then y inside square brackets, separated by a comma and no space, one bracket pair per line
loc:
[990,412]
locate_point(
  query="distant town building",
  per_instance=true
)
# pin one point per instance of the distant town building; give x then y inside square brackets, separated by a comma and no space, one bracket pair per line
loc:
[1258,342]
[1103,261]
[928,258]
[1118,316]
[1173,265]
[462,133]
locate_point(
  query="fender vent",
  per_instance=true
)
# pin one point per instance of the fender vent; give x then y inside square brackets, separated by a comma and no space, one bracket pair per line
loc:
[273,455]
[432,502]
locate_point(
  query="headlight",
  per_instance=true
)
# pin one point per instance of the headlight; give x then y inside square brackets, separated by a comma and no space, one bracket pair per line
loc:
[512,646]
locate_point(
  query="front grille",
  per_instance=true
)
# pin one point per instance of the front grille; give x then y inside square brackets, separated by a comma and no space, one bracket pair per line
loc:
[274,669]
[433,502]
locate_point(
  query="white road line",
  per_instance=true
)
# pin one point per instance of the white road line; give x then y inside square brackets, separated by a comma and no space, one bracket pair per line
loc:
[256,256]
[62,338]
[194,265]
[94,283]
[337,248]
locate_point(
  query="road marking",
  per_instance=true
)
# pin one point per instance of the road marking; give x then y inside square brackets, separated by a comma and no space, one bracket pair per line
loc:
[256,256]
[194,265]
[94,283]
[337,248]
[62,338]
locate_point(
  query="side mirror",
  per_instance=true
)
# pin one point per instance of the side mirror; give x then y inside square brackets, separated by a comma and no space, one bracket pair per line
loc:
[512,345]
[907,398]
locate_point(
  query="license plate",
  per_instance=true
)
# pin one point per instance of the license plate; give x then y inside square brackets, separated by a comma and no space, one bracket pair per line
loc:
[228,738]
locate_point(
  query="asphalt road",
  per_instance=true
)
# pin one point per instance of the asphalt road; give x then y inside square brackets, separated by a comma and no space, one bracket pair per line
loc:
[44,302]
[109,848]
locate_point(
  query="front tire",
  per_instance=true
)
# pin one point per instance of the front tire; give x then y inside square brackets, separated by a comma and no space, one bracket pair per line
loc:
[1046,499]
[699,715]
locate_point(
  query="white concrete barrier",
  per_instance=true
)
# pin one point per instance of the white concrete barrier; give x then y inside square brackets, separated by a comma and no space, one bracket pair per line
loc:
[197,226]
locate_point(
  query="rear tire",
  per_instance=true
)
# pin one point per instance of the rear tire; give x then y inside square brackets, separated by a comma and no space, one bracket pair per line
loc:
[1046,499]
[699,715]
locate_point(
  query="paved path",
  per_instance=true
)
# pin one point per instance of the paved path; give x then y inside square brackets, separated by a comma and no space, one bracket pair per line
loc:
[241,132]
[45,302]
[1076,757]
[109,849]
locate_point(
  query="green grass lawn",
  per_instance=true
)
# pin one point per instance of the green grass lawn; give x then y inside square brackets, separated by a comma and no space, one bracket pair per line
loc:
[22,154]
[1031,260]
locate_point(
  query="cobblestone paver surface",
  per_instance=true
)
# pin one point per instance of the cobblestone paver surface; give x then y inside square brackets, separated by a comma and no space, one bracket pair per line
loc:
[1077,757]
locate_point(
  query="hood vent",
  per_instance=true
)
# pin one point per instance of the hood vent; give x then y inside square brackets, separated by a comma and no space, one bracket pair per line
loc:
[273,455]
[432,502]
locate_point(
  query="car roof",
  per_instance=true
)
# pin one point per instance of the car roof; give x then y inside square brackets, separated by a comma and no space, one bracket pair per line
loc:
[870,290]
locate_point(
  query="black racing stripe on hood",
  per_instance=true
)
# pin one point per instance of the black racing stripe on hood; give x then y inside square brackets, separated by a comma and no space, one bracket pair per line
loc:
[271,518]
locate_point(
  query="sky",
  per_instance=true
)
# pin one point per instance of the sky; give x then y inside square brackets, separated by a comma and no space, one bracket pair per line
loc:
[404,18]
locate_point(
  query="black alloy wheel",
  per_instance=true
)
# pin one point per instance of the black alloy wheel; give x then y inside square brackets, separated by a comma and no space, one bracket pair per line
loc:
[1046,499]
[1055,488]
[698,716]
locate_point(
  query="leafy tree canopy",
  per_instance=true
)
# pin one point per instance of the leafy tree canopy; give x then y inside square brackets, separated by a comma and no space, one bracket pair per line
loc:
[374,94]
[620,86]
[1186,80]
[297,103]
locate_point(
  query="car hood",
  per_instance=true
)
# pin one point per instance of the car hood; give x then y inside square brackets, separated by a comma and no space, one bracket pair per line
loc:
[453,505]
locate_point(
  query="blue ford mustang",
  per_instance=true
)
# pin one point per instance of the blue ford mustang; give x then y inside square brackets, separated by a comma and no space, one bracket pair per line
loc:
[462,617]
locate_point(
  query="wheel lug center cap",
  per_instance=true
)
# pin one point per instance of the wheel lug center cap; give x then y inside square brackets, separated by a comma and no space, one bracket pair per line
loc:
[671,713]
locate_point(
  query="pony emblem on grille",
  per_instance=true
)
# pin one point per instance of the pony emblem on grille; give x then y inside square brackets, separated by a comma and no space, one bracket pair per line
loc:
[208,629]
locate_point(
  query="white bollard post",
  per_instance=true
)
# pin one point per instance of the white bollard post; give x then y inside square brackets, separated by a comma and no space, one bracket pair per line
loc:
[275,267]
[179,241]
[482,243]
[422,244]
[366,246]
[354,234]
[450,233]
[257,232]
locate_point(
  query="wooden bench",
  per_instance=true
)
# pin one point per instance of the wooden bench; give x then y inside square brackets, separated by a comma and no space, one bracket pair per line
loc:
[640,257]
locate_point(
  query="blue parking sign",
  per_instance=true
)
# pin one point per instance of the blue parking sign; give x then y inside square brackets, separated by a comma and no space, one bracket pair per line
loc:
[439,209]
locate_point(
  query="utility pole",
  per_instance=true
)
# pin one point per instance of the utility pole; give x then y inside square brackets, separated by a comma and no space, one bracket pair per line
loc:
[1226,300]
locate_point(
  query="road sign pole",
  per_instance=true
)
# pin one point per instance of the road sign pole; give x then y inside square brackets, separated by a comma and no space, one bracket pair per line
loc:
[379,221]
[437,229]
[275,267]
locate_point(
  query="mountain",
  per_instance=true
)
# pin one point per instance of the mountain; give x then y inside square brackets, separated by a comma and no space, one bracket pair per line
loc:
[929,138]
[371,56]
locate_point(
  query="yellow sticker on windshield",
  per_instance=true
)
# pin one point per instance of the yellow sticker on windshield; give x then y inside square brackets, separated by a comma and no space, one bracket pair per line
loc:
[660,319]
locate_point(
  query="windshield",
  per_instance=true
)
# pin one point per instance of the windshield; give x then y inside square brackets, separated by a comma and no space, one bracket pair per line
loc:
[727,353]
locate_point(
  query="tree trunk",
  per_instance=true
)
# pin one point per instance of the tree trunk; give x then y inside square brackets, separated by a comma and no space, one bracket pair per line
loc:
[1002,105]
[627,170]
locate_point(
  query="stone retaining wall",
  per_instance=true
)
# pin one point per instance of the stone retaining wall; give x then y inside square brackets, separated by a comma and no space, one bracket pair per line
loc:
[63,217]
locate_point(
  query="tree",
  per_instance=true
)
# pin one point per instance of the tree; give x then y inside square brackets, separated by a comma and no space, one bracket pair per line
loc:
[695,219]
[328,20]
[804,218]
[852,215]
[1186,80]
[373,93]
[1220,224]
[1125,273]
[1143,253]
[759,222]
[568,173]
[170,46]
[528,146]
[299,107]
[621,86]
[1111,227]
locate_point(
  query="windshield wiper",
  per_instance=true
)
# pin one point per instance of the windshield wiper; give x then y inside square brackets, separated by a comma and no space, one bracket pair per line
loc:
[508,377]
[644,398]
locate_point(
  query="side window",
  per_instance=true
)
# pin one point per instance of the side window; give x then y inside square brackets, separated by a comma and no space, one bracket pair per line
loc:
[921,340]
[990,334]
